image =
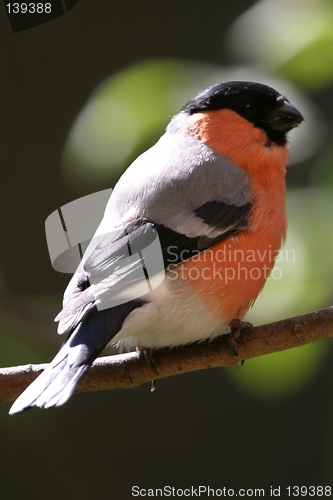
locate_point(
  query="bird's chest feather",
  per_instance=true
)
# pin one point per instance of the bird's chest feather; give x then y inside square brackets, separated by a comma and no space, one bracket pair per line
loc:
[230,275]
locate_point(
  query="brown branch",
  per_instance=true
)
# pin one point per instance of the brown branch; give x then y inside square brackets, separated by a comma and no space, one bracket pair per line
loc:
[130,370]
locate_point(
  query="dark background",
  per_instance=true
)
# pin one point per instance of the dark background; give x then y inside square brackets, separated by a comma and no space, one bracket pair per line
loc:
[197,429]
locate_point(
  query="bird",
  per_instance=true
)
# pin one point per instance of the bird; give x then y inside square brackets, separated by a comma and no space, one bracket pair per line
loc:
[212,189]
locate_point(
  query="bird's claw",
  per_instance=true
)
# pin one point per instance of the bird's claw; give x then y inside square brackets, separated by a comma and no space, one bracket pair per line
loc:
[237,326]
[148,355]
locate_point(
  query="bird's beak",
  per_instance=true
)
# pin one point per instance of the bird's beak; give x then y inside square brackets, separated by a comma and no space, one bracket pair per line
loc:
[285,116]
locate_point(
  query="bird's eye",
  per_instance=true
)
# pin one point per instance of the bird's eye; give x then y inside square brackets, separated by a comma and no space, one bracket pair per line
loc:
[247,109]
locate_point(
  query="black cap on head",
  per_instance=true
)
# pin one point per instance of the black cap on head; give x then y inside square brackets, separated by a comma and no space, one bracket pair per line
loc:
[258,103]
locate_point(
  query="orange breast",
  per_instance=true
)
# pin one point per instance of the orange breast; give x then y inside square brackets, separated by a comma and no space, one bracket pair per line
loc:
[230,275]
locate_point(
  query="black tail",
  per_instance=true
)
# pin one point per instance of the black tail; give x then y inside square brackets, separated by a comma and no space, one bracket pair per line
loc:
[58,381]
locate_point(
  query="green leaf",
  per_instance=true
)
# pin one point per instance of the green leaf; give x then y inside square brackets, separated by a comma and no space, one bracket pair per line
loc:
[280,374]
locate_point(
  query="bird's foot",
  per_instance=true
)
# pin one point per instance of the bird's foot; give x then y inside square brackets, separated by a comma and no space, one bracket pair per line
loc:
[148,355]
[237,326]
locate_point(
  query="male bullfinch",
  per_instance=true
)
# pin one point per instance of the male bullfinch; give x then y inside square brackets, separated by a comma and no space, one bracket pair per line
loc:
[213,189]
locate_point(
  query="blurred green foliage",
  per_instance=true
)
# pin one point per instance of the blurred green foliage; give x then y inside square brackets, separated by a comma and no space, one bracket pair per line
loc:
[126,114]
[280,374]
[291,38]
[16,350]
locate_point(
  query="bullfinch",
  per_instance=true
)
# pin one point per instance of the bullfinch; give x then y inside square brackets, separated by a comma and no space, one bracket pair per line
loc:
[213,190]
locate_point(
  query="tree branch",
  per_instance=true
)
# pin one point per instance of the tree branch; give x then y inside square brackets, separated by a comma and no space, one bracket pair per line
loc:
[130,370]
